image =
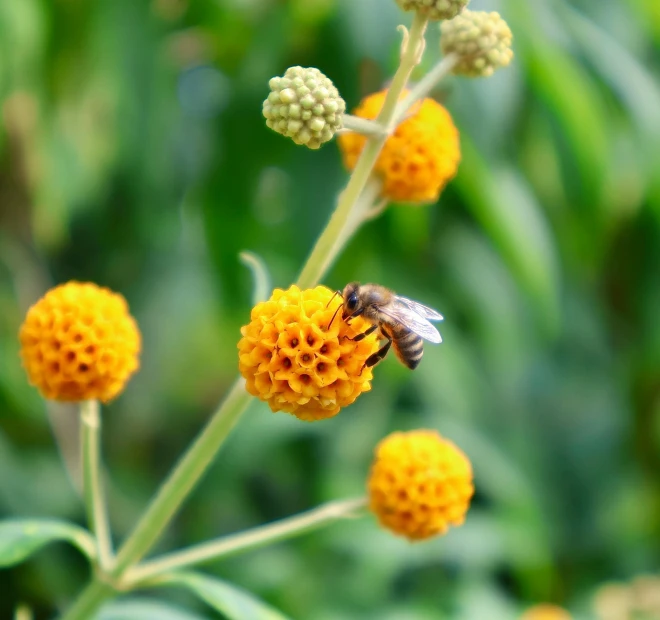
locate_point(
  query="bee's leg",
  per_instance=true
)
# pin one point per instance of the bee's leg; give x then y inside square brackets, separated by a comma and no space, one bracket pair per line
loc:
[379,355]
[363,335]
[356,313]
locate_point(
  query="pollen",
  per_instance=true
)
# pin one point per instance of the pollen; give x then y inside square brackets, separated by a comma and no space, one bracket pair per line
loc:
[420,484]
[545,611]
[418,159]
[295,357]
[79,342]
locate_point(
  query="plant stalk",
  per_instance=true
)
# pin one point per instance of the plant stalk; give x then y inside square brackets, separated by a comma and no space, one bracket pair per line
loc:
[97,512]
[182,479]
[200,454]
[425,85]
[87,604]
[244,541]
[333,237]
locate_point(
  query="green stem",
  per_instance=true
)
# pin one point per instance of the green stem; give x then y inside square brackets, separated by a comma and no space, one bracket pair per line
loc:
[167,501]
[97,513]
[425,85]
[327,247]
[244,541]
[200,454]
[182,479]
[362,125]
[92,597]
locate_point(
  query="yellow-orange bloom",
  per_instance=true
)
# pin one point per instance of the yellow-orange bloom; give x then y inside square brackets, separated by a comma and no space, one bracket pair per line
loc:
[545,611]
[418,159]
[79,342]
[420,484]
[291,359]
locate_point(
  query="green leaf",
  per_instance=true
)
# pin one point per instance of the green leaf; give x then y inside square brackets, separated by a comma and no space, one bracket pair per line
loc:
[145,609]
[233,602]
[262,287]
[20,538]
[508,211]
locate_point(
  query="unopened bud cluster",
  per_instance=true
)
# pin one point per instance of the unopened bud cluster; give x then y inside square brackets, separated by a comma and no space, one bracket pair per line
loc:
[482,41]
[434,9]
[305,106]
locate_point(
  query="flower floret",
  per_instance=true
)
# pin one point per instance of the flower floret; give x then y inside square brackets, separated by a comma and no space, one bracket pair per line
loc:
[294,359]
[79,342]
[420,484]
[418,159]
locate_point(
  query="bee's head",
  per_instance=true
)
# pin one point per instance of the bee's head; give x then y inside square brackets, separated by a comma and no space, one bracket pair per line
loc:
[351,299]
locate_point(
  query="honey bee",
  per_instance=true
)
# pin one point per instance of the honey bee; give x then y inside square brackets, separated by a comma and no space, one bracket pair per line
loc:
[401,321]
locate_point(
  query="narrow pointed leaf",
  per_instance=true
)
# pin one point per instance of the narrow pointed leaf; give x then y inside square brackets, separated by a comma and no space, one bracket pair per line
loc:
[145,609]
[261,285]
[20,538]
[233,602]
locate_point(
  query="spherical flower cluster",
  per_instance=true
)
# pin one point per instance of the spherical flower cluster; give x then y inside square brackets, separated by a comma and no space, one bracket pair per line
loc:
[434,9]
[482,41]
[420,484]
[545,611]
[292,358]
[79,342]
[305,106]
[418,159]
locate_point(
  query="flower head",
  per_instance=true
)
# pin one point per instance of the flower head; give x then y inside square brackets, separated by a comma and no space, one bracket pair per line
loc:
[420,484]
[79,342]
[545,611]
[434,9]
[305,106]
[482,41]
[418,159]
[294,360]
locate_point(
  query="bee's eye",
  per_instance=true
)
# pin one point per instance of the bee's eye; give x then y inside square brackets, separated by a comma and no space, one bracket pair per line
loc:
[352,301]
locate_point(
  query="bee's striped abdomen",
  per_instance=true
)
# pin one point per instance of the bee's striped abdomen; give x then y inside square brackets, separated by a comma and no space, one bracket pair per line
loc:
[408,346]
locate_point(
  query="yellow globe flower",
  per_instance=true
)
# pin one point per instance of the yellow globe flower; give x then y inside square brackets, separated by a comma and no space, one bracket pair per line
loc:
[420,484]
[545,611]
[418,159]
[79,342]
[293,360]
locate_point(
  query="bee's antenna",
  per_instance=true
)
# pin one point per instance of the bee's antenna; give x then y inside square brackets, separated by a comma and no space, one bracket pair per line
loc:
[333,296]
[334,315]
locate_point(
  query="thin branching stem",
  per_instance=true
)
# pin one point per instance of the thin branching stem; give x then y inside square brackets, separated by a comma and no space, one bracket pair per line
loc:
[247,540]
[199,455]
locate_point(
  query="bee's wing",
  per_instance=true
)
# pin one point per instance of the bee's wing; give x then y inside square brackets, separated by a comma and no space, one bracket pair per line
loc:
[413,321]
[421,309]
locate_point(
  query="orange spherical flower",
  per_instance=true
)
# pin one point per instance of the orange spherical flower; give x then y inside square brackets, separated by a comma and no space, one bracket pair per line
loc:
[294,360]
[79,342]
[546,611]
[418,159]
[420,484]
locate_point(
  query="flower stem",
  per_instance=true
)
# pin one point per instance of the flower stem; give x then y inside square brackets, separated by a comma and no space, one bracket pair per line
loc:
[425,85]
[199,455]
[362,125]
[333,237]
[97,513]
[244,541]
[92,597]
[182,479]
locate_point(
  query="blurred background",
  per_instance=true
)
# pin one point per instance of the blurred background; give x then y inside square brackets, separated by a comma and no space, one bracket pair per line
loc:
[133,153]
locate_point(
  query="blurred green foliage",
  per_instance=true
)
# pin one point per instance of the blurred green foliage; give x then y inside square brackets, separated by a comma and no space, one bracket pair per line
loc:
[133,154]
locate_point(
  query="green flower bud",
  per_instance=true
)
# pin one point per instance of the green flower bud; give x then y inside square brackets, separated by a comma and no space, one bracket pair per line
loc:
[434,9]
[305,106]
[482,41]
